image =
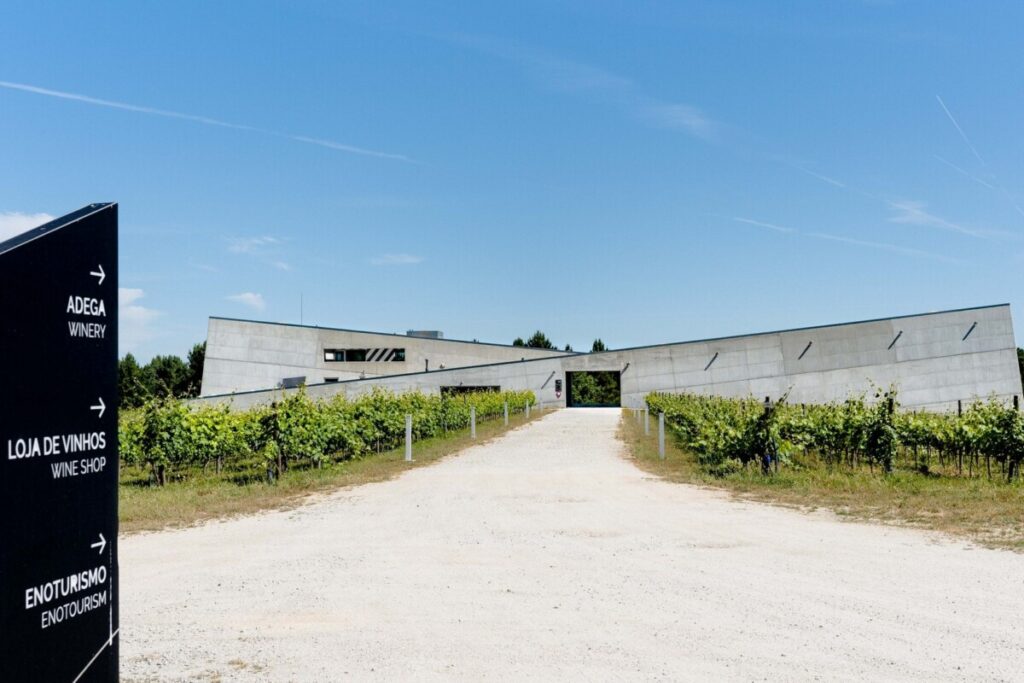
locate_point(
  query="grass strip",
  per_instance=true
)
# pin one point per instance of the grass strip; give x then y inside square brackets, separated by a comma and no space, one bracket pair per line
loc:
[988,512]
[205,496]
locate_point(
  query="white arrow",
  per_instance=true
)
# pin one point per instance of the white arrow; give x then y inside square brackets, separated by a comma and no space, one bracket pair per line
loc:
[102,407]
[101,275]
[101,544]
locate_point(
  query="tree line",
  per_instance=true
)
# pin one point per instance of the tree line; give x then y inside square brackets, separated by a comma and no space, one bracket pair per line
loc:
[539,340]
[163,377]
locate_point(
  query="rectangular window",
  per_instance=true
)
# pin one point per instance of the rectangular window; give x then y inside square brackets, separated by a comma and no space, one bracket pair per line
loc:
[364,355]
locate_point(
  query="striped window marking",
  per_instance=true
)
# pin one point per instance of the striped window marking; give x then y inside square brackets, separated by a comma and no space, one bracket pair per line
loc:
[378,355]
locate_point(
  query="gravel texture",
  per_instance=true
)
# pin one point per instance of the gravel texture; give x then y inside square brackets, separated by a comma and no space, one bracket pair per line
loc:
[545,554]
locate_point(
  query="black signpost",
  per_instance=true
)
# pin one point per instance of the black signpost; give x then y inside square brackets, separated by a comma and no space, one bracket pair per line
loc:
[58,450]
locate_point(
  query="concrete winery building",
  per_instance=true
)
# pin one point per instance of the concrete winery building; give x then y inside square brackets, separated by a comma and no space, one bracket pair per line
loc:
[934,359]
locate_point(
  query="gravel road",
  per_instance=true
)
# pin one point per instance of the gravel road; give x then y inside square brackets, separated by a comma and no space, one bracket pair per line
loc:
[545,554]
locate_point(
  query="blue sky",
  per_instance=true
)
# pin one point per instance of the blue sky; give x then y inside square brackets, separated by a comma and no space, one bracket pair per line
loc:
[642,172]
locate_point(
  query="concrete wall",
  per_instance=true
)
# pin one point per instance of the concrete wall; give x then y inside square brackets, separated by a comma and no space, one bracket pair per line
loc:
[931,363]
[243,355]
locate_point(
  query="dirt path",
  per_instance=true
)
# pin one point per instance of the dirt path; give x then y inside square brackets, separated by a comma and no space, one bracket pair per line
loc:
[545,554]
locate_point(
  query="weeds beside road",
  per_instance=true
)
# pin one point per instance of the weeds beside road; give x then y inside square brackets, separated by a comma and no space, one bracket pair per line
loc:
[990,512]
[204,495]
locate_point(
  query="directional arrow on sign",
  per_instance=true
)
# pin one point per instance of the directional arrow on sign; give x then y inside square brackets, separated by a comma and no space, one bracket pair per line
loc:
[101,275]
[101,408]
[101,544]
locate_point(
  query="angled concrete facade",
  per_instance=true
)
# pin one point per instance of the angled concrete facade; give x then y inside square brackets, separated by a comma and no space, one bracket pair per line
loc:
[246,355]
[934,359]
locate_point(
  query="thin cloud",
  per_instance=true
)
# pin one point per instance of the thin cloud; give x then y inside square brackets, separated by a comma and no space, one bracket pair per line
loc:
[250,299]
[763,224]
[396,260]
[251,245]
[264,248]
[554,71]
[884,246]
[908,212]
[205,120]
[912,212]
[135,321]
[341,147]
[681,117]
[203,266]
[568,76]
[126,296]
[802,166]
[828,180]
[13,223]
[999,186]
[964,172]
[960,130]
[822,177]
[1009,198]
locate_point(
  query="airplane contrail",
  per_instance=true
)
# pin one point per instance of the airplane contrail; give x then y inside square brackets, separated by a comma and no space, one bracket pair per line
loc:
[960,130]
[205,120]
[964,172]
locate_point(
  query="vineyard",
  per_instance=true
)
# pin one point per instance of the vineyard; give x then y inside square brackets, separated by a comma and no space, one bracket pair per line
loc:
[170,439]
[728,436]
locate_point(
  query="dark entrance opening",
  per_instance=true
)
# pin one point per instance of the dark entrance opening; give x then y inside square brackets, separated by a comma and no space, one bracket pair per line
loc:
[594,389]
